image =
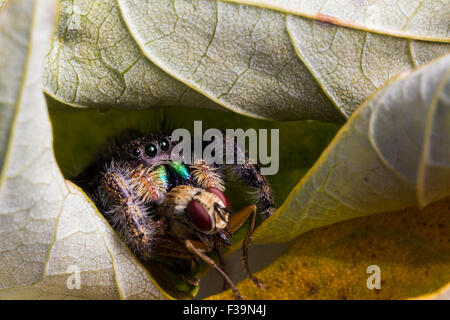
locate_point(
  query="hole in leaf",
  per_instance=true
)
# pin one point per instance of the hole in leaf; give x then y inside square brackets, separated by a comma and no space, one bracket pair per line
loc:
[79,133]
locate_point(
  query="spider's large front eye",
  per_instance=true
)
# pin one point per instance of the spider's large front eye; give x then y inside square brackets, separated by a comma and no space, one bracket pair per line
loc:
[164,144]
[151,150]
[199,216]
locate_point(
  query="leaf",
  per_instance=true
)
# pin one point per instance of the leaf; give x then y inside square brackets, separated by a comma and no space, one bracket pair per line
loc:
[242,59]
[411,248]
[48,230]
[351,64]
[280,66]
[267,63]
[79,133]
[423,52]
[401,19]
[94,62]
[391,154]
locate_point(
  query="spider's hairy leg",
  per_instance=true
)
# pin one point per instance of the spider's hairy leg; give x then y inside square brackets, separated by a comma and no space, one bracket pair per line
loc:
[150,184]
[126,211]
[207,175]
[250,174]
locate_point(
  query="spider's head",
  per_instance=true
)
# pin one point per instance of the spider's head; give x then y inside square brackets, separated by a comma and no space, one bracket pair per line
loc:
[146,150]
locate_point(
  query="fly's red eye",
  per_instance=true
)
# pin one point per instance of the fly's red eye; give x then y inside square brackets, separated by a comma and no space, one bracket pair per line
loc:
[220,195]
[199,216]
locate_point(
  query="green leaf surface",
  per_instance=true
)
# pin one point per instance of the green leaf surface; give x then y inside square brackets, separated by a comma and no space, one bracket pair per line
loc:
[410,247]
[393,153]
[49,231]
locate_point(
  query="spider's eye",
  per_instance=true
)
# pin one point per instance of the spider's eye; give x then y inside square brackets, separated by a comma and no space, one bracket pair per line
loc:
[151,150]
[164,144]
[136,152]
[199,216]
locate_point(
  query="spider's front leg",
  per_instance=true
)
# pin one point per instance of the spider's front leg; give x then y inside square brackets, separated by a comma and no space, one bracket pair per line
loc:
[207,175]
[250,174]
[150,184]
[126,211]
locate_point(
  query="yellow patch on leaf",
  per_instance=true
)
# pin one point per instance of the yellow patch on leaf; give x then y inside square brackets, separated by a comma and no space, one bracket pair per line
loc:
[411,247]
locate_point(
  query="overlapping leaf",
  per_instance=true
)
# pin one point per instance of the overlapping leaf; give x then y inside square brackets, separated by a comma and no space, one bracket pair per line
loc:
[267,59]
[95,62]
[49,231]
[244,57]
[393,153]
[410,19]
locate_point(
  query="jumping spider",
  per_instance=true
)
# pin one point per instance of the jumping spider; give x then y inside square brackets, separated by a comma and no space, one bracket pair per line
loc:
[171,209]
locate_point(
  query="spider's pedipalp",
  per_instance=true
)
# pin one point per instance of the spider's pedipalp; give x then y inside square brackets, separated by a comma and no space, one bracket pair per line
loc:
[150,184]
[207,176]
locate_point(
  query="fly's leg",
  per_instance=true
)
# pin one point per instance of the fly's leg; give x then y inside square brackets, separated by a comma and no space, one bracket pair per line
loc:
[126,212]
[198,248]
[207,176]
[236,221]
[222,264]
[250,174]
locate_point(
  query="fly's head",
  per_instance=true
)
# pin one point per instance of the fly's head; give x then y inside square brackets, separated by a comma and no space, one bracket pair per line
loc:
[204,211]
[208,211]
